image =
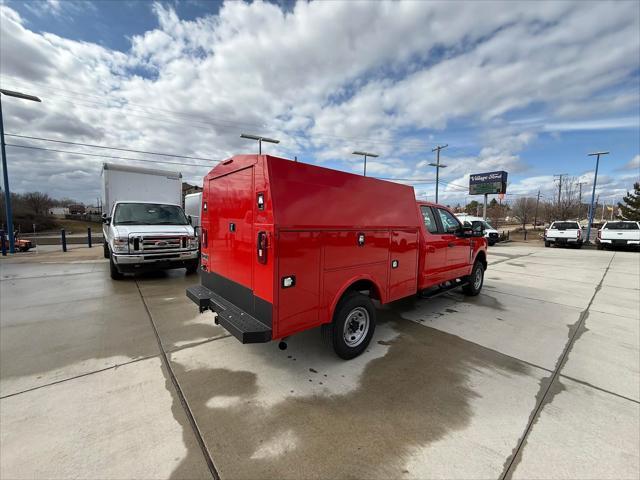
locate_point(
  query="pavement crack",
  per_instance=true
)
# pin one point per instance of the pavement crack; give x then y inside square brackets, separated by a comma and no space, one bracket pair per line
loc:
[86,374]
[544,395]
[183,401]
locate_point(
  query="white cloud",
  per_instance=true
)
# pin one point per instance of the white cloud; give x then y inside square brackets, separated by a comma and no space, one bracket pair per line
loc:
[325,78]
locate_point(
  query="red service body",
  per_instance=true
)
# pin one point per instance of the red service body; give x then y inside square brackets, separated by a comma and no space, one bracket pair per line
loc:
[283,242]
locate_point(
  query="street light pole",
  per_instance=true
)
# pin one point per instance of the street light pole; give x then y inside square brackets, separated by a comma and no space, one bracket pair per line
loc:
[5,173]
[593,192]
[438,166]
[365,155]
[260,140]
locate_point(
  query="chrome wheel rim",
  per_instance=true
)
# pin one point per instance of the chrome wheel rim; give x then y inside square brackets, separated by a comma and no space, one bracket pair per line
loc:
[477,279]
[356,326]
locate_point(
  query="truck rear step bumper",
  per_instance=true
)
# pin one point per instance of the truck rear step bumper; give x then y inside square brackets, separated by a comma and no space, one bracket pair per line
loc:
[237,322]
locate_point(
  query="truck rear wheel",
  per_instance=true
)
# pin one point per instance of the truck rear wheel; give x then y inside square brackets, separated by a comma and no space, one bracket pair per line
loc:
[353,325]
[475,280]
[547,244]
[105,247]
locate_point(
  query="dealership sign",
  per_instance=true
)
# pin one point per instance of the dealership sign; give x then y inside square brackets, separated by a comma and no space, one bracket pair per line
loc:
[488,183]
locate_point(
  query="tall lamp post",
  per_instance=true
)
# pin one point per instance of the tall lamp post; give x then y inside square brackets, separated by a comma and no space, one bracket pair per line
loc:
[365,155]
[5,173]
[438,166]
[260,140]
[593,192]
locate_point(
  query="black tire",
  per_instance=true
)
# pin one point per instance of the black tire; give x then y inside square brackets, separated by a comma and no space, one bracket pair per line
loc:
[105,247]
[547,244]
[113,270]
[358,310]
[600,246]
[192,266]
[474,284]
[579,245]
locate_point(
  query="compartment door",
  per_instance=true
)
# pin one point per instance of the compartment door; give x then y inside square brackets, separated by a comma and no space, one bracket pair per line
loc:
[403,264]
[231,243]
[298,283]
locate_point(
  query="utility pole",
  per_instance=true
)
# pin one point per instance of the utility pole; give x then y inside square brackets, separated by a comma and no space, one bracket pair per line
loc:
[559,177]
[580,199]
[535,218]
[593,192]
[437,165]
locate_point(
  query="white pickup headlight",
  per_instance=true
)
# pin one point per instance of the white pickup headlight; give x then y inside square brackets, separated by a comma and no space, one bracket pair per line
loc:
[193,242]
[120,245]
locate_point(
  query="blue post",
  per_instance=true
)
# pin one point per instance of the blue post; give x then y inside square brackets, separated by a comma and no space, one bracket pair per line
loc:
[4,247]
[89,236]
[64,240]
[7,192]
[593,196]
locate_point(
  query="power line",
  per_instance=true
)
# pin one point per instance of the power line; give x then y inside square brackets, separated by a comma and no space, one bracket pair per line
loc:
[414,145]
[109,156]
[109,148]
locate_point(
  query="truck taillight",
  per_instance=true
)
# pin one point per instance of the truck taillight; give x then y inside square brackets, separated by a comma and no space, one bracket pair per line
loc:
[262,247]
[579,233]
[600,234]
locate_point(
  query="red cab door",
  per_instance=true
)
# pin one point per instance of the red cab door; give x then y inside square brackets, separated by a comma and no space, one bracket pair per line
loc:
[458,248]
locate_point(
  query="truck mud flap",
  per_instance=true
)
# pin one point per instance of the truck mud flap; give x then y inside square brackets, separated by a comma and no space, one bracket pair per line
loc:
[237,322]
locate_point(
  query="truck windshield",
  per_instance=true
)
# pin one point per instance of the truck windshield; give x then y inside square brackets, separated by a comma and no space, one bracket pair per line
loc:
[621,226]
[565,226]
[149,214]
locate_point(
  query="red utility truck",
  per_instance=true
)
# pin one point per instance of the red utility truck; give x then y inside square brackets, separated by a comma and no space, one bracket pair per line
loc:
[289,246]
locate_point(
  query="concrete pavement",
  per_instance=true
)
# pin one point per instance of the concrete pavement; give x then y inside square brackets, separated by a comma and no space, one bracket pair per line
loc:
[539,377]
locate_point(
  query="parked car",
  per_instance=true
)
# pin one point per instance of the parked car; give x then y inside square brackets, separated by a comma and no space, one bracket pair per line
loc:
[145,227]
[288,246]
[618,234]
[21,245]
[563,233]
[490,233]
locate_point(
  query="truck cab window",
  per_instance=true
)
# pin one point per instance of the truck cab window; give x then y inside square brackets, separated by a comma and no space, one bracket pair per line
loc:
[449,222]
[429,220]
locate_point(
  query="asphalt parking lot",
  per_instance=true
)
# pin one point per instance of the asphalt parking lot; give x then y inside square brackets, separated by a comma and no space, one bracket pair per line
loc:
[538,377]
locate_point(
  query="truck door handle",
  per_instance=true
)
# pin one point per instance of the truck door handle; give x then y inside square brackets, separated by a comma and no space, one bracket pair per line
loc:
[262,247]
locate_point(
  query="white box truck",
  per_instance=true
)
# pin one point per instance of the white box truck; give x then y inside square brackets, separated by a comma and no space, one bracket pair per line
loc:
[193,207]
[144,225]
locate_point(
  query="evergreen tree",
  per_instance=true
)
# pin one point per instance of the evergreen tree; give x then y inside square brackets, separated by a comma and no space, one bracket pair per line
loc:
[630,209]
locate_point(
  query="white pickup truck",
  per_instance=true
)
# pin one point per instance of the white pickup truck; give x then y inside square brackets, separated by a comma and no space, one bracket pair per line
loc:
[618,234]
[563,233]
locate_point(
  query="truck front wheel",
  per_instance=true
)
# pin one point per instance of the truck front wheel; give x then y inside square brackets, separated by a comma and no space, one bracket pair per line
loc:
[475,280]
[353,325]
[105,247]
[192,266]
[113,270]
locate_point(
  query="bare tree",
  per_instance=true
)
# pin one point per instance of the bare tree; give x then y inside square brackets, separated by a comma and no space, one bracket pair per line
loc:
[524,209]
[569,202]
[37,202]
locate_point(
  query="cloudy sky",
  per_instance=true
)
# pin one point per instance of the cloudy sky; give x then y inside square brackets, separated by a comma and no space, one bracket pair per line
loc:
[526,87]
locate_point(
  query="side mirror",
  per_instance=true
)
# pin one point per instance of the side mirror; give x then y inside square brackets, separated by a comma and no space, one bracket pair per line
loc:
[464,231]
[477,226]
[106,219]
